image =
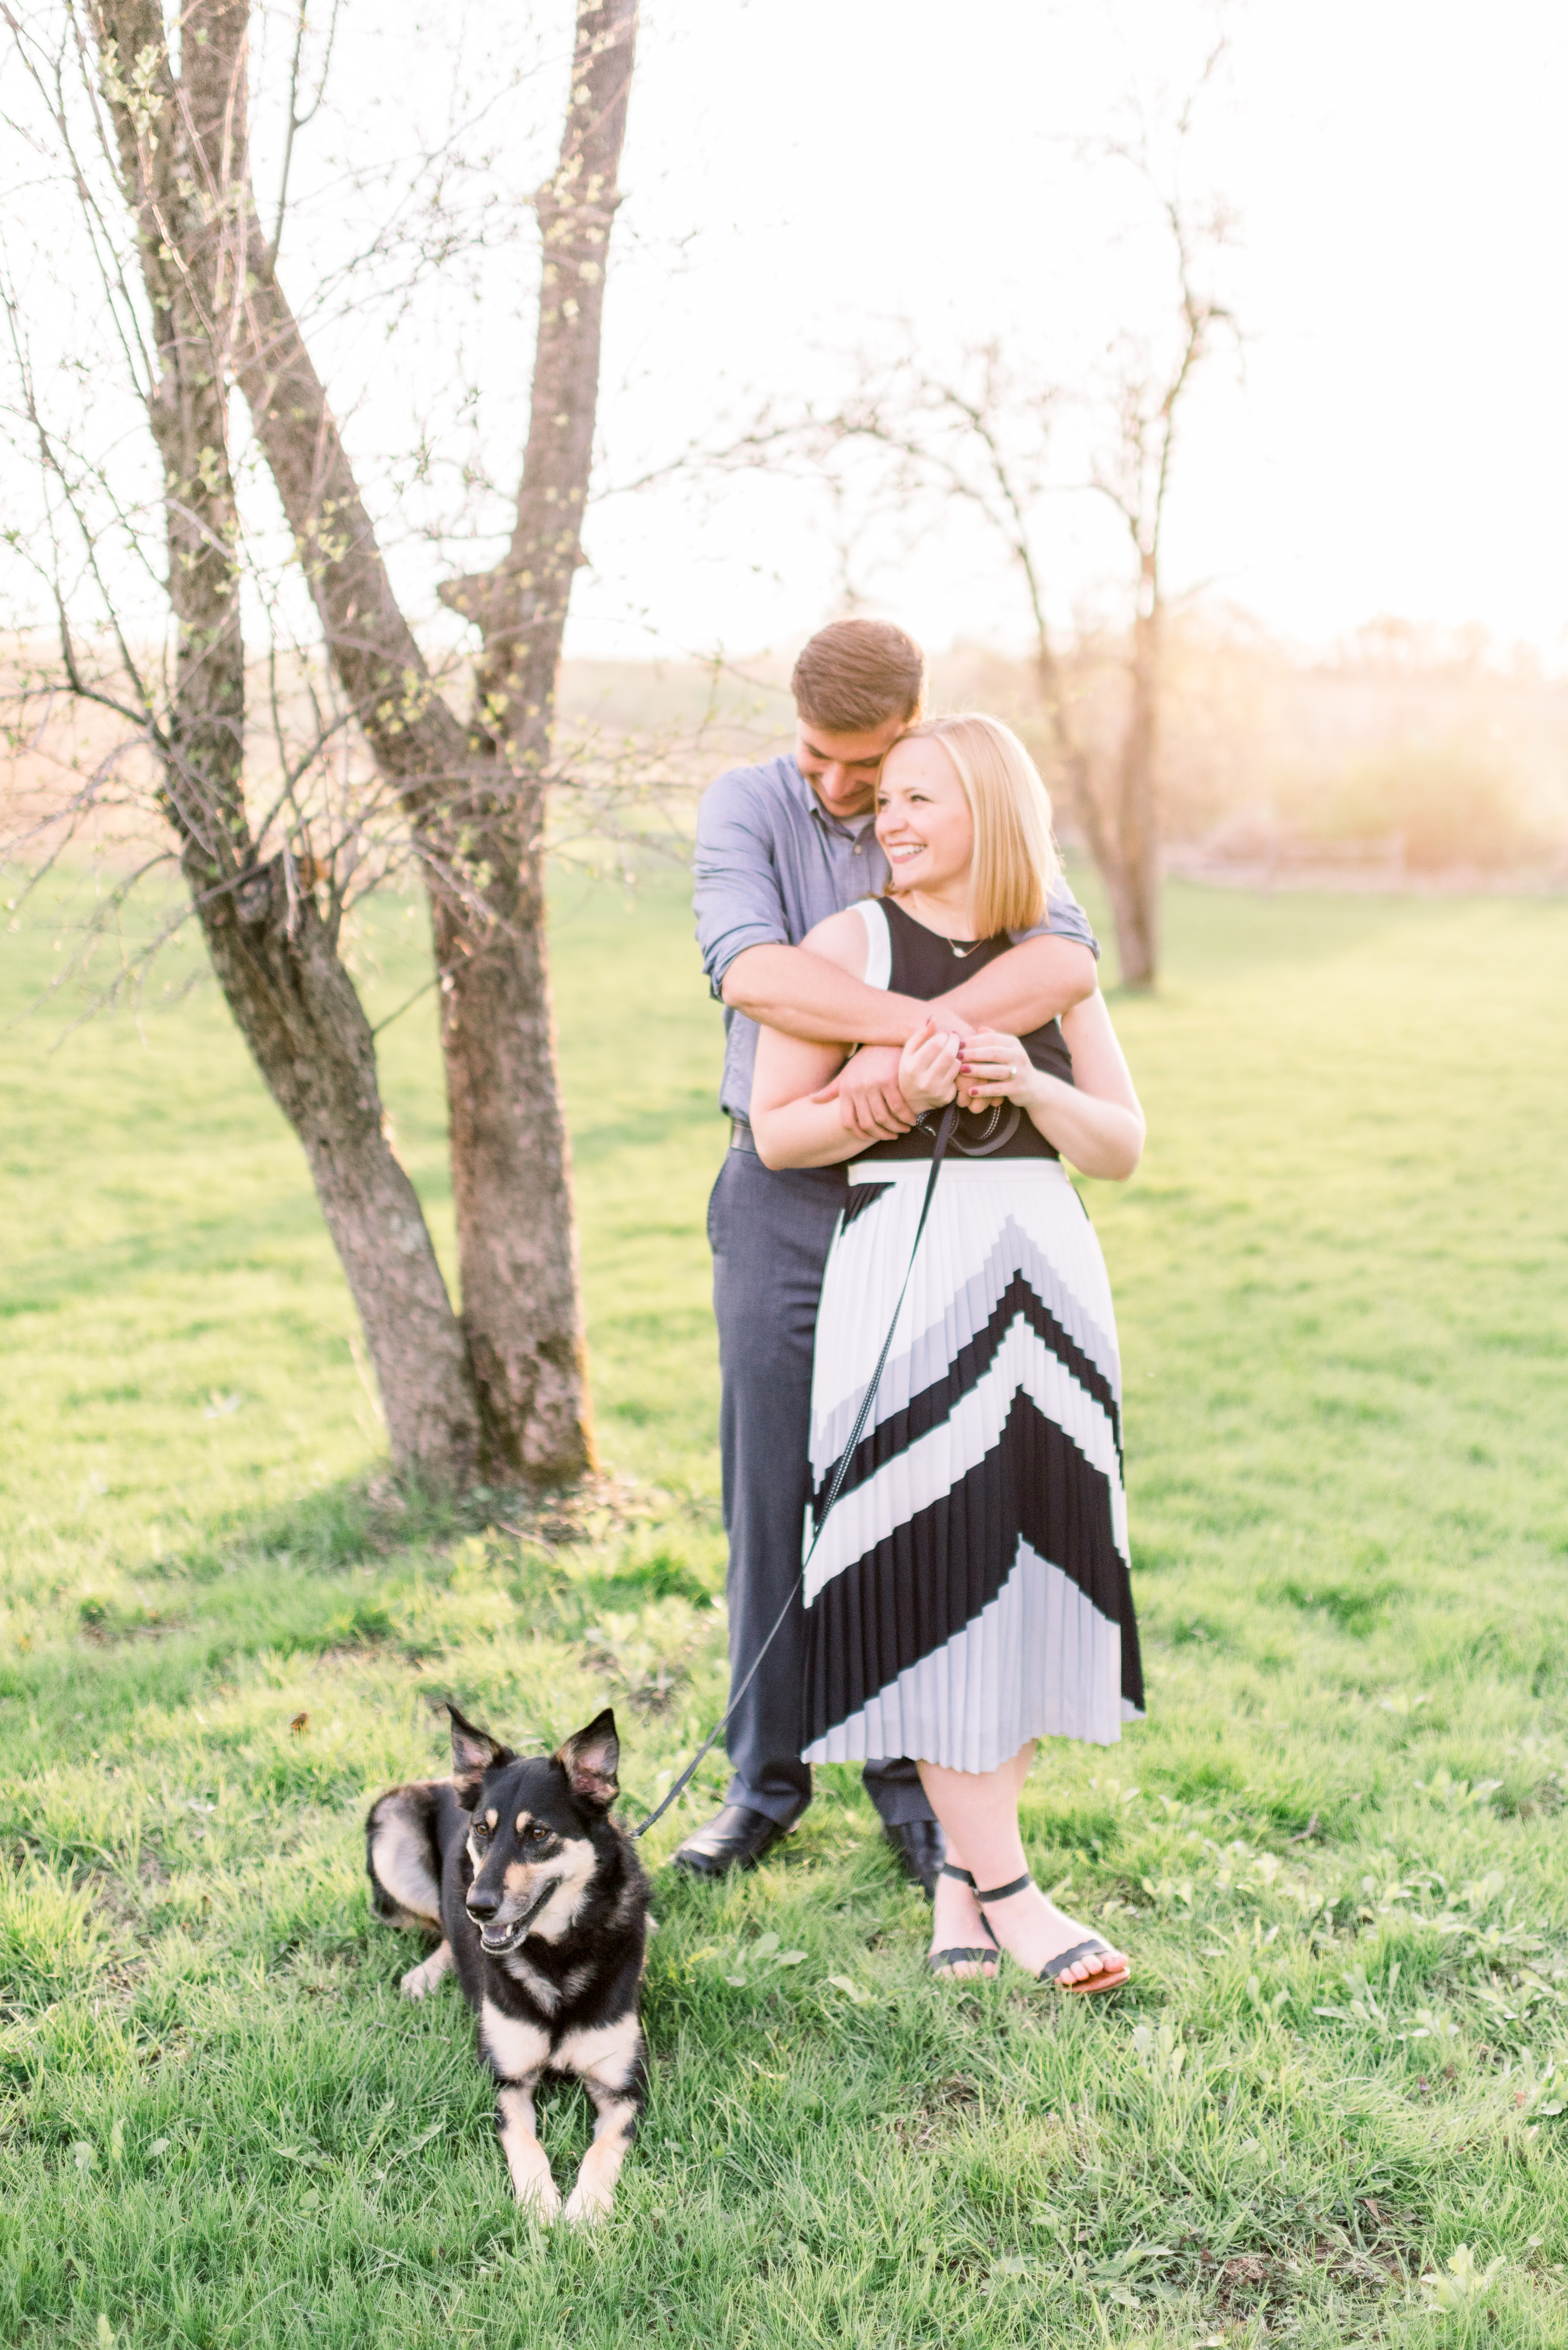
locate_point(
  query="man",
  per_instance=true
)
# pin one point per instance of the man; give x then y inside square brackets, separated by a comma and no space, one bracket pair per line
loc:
[779,848]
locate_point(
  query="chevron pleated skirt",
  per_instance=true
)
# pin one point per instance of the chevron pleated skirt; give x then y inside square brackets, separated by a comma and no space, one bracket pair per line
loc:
[969,1590]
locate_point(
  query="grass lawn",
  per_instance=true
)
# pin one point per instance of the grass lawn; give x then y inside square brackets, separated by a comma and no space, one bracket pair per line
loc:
[1326,2112]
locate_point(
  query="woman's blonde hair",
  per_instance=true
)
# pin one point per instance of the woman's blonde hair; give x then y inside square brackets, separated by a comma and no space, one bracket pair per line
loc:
[1015,858]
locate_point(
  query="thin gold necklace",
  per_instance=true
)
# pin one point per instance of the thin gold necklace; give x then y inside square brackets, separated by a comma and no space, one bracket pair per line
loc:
[959,950]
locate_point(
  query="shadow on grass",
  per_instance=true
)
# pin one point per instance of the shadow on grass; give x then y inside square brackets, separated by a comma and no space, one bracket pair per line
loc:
[346,1524]
[349,1565]
[281,1579]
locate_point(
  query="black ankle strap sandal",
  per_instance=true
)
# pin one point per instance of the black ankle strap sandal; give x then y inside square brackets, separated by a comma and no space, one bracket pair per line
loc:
[941,1961]
[1091,1947]
[1001,1892]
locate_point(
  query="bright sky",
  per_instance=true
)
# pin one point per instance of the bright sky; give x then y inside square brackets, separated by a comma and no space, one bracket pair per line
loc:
[1394,440]
[801,174]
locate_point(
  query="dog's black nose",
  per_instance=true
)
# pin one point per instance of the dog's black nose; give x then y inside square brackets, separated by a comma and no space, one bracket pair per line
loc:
[482,1902]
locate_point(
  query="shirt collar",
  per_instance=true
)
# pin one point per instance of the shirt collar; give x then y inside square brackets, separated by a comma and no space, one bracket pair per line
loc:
[812,805]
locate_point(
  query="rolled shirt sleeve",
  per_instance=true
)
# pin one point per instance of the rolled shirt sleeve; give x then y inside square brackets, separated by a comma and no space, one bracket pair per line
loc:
[738,899]
[1063,918]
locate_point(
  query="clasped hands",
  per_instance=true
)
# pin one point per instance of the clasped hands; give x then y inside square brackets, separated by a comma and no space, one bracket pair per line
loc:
[883,1089]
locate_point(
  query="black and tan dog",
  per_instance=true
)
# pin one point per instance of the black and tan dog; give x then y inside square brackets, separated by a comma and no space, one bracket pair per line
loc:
[542,1908]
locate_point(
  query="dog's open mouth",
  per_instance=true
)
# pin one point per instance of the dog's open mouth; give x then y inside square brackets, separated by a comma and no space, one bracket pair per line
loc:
[496,1940]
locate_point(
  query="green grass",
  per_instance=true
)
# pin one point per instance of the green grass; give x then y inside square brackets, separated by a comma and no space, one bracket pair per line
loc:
[1336,1849]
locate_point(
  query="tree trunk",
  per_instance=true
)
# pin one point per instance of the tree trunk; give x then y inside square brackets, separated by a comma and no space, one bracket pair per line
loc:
[1126,857]
[476,800]
[511,1171]
[275,959]
[1102,843]
[1138,908]
[298,1012]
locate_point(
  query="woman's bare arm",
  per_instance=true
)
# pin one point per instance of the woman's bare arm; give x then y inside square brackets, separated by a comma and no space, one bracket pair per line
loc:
[807,1133]
[805,994]
[1095,1122]
[790,1128]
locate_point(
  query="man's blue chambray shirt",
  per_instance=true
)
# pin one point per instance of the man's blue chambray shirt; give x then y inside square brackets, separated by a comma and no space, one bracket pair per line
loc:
[771,864]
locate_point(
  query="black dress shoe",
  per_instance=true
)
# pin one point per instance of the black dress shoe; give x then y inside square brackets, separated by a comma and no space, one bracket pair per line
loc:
[736,1839]
[921,1849]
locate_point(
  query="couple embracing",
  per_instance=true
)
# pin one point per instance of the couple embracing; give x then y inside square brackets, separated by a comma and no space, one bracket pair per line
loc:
[905,973]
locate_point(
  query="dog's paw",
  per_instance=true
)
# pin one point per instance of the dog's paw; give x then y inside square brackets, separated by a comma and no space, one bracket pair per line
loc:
[588,2205]
[421,1981]
[542,2201]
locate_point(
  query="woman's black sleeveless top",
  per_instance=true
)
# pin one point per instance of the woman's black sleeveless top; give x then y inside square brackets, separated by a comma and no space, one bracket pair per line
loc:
[925,965]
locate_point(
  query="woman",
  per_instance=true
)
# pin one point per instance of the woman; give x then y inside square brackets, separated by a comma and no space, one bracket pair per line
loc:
[969,1590]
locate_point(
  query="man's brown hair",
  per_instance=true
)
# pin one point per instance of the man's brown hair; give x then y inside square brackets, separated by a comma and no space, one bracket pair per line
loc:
[854,675]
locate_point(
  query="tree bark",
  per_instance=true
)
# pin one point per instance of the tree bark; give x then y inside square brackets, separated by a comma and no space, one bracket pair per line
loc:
[511,1170]
[182,150]
[296,1007]
[418,745]
[476,797]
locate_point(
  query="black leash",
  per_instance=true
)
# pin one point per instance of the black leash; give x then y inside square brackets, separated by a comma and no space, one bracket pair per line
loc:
[949,1118]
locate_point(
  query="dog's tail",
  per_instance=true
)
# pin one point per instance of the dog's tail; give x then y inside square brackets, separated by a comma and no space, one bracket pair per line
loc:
[403,1855]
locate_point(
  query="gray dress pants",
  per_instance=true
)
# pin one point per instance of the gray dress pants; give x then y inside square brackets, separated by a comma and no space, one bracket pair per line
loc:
[769,1231]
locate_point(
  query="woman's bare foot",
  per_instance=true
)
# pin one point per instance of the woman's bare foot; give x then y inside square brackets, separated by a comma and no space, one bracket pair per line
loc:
[957,1925]
[1034,1931]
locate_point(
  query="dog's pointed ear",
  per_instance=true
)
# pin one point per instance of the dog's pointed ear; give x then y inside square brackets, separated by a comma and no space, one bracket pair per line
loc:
[473,1752]
[590,1758]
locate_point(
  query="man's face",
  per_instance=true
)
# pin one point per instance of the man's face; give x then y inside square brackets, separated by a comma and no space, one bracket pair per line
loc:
[841,769]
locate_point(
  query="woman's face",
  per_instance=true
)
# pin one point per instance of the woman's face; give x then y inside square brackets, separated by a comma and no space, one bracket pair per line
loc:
[923,820]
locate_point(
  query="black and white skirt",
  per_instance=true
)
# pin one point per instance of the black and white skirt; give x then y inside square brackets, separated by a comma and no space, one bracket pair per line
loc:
[971,1588]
